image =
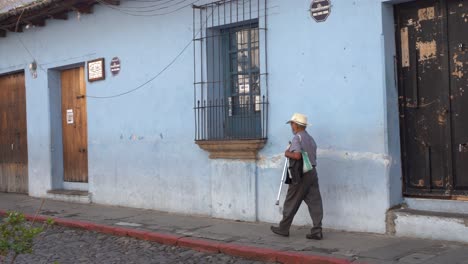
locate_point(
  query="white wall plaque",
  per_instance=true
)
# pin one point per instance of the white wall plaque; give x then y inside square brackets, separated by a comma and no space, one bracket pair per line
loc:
[96,70]
[69,116]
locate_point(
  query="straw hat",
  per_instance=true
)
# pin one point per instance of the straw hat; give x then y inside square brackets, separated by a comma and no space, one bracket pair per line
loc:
[299,119]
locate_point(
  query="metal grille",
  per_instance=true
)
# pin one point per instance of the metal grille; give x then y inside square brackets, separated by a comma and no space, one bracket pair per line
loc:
[230,70]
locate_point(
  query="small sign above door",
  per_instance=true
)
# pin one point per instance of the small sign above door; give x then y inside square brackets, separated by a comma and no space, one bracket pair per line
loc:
[320,10]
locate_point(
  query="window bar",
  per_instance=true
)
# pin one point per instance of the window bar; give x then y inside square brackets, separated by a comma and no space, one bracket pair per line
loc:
[217,83]
[243,10]
[212,90]
[222,117]
[249,63]
[266,64]
[209,119]
[201,70]
[205,117]
[263,117]
[241,95]
[194,72]
[224,78]
[250,10]
[261,83]
[258,10]
[214,115]
[198,119]
[220,76]
[237,10]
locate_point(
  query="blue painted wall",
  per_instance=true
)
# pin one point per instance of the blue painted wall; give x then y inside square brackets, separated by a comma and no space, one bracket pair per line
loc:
[141,148]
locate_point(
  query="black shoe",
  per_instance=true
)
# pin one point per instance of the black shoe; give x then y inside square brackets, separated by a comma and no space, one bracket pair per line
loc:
[277,231]
[316,236]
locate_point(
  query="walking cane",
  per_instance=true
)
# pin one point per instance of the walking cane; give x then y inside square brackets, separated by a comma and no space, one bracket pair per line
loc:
[282,180]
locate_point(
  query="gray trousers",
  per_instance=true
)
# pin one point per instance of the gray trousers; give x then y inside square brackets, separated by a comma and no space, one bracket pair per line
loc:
[306,190]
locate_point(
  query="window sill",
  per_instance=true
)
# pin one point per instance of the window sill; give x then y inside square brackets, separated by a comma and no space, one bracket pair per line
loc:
[232,149]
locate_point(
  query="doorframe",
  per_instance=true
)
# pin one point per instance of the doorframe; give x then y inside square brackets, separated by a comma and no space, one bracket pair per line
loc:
[391,110]
[55,104]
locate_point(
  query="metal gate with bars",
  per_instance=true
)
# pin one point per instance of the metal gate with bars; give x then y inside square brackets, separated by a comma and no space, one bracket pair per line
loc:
[230,79]
[432,36]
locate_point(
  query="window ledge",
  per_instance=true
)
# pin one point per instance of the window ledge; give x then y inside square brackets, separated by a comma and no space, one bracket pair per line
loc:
[232,149]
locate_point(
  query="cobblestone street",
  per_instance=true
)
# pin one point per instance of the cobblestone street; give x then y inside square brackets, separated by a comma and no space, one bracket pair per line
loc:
[63,245]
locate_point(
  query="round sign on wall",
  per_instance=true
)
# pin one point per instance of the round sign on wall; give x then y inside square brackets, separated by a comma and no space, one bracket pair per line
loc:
[115,66]
[320,10]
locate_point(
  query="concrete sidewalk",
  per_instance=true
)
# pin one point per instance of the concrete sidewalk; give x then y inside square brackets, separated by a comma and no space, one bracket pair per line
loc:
[250,240]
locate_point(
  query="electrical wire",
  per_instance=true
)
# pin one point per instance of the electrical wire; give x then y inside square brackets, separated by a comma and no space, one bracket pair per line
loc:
[145,83]
[151,10]
[148,6]
[154,77]
[148,15]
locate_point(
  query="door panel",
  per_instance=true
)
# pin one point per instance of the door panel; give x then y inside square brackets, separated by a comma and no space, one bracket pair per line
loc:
[458,58]
[433,75]
[74,125]
[423,97]
[13,134]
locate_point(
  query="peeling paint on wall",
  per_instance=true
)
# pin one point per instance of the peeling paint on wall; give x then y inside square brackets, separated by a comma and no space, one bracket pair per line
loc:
[405,60]
[415,24]
[442,117]
[426,13]
[427,50]
[331,153]
[277,160]
[271,162]
[458,71]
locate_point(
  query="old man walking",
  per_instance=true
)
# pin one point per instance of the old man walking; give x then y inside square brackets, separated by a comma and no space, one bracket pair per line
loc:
[302,186]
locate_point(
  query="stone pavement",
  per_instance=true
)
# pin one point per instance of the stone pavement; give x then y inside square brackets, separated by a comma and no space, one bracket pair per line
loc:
[77,246]
[243,239]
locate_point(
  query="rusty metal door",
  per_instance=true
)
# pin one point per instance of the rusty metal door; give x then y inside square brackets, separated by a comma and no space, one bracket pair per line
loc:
[74,126]
[13,134]
[429,32]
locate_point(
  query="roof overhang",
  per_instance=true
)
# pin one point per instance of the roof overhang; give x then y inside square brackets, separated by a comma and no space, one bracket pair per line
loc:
[37,12]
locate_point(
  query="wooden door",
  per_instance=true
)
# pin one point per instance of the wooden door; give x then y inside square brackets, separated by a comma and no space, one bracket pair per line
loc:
[74,125]
[433,76]
[13,134]
[424,95]
[458,59]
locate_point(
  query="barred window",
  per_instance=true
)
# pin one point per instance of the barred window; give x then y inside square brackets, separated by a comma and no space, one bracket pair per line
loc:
[230,78]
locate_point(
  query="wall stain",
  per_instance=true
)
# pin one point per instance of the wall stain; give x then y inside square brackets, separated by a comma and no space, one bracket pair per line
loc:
[458,71]
[405,61]
[426,13]
[442,117]
[427,50]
